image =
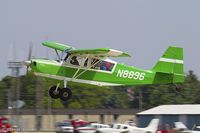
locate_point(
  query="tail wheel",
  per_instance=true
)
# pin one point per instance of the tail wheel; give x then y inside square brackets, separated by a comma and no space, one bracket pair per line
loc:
[65,94]
[54,93]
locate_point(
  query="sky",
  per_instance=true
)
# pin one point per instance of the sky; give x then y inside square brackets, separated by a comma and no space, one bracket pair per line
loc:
[143,28]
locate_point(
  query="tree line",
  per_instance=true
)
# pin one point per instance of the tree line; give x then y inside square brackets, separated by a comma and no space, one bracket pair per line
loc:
[33,91]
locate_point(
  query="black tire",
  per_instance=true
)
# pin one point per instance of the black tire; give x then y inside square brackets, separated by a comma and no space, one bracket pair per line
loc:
[52,92]
[65,94]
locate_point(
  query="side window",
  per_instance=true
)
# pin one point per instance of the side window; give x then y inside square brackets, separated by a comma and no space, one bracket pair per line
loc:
[101,65]
[118,127]
[125,127]
[111,126]
[107,66]
[77,61]
[95,64]
[92,63]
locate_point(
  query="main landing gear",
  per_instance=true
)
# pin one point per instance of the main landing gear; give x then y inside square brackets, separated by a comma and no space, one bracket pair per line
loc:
[63,93]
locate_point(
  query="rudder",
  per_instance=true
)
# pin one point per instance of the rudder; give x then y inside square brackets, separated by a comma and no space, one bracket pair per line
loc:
[170,68]
[153,125]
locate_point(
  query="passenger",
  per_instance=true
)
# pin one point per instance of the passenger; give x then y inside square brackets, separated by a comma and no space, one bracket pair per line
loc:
[102,66]
[108,66]
[74,61]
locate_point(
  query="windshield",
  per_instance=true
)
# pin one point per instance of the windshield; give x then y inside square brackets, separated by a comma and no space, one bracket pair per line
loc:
[92,63]
[61,124]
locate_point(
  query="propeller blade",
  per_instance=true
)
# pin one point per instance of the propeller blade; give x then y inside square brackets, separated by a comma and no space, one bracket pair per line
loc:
[28,62]
[30,51]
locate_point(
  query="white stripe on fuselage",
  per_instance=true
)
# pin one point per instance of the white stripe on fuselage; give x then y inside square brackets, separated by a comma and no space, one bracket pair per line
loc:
[171,60]
[76,80]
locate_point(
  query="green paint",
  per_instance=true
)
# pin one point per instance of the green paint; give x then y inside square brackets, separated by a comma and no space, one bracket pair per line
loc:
[169,69]
[103,52]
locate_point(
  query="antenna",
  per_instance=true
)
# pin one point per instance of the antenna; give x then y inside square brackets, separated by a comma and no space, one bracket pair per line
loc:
[14,91]
[14,65]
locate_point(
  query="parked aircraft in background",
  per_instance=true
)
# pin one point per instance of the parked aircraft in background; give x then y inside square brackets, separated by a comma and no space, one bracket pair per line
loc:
[183,129]
[91,128]
[123,128]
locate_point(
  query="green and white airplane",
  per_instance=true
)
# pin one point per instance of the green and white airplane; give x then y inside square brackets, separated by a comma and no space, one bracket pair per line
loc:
[92,66]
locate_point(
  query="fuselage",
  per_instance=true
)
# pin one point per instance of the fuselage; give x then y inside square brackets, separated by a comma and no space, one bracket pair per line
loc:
[117,75]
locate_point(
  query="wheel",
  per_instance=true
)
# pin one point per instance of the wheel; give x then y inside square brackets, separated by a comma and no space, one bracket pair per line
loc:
[53,93]
[65,94]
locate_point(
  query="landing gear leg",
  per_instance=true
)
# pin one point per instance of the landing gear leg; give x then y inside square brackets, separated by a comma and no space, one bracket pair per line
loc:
[65,83]
[65,93]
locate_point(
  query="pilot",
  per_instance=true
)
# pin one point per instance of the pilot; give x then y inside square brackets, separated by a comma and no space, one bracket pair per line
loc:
[74,61]
[66,57]
[102,66]
[108,66]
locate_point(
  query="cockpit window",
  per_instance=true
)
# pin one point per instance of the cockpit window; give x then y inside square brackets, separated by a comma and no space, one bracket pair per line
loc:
[118,127]
[77,61]
[103,65]
[125,127]
[91,63]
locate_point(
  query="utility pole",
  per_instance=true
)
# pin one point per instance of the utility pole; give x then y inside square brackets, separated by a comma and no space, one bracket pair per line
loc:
[14,91]
[49,111]
[140,100]
[39,103]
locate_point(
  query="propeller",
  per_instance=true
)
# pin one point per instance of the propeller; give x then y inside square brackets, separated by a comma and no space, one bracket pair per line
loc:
[27,63]
[30,51]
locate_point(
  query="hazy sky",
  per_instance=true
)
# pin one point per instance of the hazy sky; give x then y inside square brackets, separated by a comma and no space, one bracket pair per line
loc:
[143,28]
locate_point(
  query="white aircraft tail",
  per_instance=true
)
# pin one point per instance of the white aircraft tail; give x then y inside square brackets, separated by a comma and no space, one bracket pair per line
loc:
[153,125]
[180,125]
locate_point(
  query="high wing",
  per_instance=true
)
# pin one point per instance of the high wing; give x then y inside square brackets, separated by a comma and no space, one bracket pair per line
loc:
[57,46]
[99,52]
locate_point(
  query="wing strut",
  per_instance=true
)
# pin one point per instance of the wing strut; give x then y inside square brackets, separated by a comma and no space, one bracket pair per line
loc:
[81,65]
[76,76]
[58,55]
[87,69]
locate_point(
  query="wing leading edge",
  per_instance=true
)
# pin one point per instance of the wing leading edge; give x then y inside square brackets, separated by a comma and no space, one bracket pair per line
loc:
[101,52]
[57,46]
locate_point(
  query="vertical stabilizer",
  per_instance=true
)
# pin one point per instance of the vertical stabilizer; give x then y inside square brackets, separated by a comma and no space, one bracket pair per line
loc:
[153,125]
[170,67]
